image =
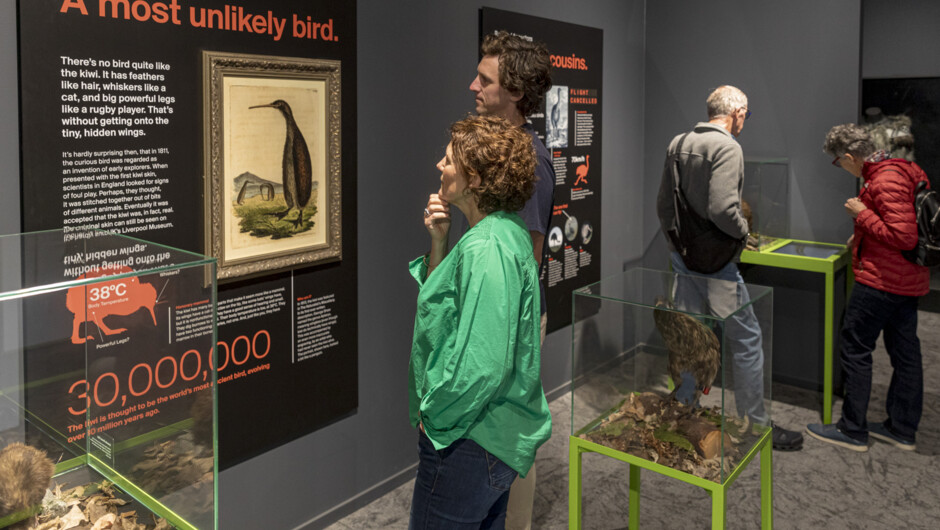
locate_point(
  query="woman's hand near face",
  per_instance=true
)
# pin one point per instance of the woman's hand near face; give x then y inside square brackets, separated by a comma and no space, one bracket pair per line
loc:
[854,207]
[438,219]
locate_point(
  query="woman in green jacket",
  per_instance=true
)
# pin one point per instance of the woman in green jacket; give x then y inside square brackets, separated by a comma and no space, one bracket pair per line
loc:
[475,389]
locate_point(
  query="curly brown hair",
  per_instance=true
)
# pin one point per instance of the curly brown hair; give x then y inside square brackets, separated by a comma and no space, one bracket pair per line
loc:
[523,67]
[500,155]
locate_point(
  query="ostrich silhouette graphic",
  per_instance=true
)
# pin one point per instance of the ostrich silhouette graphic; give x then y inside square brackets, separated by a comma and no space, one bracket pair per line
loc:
[582,171]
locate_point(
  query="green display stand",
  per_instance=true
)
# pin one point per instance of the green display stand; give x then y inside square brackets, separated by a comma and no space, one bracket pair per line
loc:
[810,256]
[717,491]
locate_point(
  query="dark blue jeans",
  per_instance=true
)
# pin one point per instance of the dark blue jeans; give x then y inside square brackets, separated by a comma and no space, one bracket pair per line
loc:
[869,312]
[462,486]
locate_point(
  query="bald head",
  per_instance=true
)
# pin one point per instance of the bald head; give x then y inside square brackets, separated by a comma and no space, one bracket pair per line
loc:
[724,100]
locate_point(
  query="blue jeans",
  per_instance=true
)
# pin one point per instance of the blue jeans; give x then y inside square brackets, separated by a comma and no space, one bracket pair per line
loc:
[742,331]
[868,313]
[462,486]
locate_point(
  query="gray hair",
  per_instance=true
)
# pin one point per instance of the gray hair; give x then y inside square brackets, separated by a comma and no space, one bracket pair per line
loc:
[724,100]
[849,138]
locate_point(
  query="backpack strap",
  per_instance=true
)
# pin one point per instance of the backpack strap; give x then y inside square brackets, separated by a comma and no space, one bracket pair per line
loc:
[675,174]
[679,203]
[678,198]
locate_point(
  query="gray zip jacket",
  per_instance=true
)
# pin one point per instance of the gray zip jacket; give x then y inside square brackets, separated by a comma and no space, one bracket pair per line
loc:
[711,177]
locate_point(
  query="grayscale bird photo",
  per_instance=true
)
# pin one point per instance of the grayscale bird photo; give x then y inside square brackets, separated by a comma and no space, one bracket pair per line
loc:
[556,117]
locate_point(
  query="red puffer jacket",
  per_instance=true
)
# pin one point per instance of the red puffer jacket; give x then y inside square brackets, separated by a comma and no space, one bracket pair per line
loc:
[887,227]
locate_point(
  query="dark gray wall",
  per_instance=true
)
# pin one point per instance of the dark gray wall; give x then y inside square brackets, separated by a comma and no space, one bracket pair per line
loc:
[416,62]
[9,125]
[798,62]
[10,181]
[10,315]
[900,38]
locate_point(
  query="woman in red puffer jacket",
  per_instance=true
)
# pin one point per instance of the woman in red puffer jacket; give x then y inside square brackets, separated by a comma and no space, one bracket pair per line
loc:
[885,295]
[885,225]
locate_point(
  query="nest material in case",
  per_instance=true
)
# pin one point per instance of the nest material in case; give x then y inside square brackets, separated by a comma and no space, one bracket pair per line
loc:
[94,506]
[669,433]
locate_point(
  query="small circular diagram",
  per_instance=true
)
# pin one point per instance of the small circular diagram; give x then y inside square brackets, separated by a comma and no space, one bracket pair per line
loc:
[554,239]
[571,228]
[587,232]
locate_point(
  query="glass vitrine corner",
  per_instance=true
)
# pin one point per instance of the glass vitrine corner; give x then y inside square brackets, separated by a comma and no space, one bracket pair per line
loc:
[766,198]
[107,371]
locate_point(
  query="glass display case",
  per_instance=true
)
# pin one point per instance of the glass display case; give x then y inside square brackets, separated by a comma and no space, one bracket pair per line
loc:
[674,370]
[767,200]
[107,382]
[770,245]
[766,207]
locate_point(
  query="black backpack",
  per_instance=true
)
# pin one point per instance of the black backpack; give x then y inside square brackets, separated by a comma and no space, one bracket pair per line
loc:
[702,245]
[927,212]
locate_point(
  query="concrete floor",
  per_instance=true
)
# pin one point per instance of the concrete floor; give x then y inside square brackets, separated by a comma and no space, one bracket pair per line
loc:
[821,486]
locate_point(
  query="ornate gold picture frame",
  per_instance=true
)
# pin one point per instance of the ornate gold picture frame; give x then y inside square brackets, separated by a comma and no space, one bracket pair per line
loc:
[273,162]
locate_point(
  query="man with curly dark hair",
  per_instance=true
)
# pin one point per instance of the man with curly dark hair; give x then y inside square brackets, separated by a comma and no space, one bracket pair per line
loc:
[521,68]
[475,392]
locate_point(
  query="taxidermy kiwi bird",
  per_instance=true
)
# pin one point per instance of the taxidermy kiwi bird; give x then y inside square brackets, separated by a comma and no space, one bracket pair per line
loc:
[296,173]
[694,351]
[25,473]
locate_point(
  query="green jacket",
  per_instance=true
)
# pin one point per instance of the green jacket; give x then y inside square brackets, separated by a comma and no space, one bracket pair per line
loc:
[474,370]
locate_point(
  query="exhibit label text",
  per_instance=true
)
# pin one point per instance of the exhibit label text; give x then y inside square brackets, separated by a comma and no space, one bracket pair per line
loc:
[229,18]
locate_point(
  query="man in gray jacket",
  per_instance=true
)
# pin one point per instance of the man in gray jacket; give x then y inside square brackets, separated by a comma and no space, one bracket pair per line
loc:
[711,176]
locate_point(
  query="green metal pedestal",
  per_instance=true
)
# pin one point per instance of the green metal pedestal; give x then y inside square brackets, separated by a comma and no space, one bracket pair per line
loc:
[827,266]
[717,491]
